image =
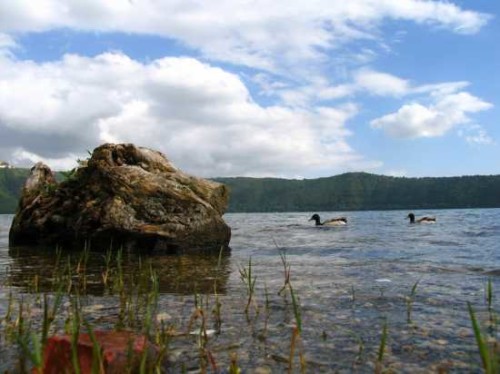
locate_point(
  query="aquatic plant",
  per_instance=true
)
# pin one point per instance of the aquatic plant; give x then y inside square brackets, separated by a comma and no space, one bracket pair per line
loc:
[28,341]
[295,337]
[107,269]
[381,348]
[49,314]
[297,330]
[409,301]
[8,313]
[266,295]
[216,311]
[296,309]
[492,327]
[286,270]
[205,355]
[249,280]
[487,345]
[75,332]
[97,359]
[31,347]
[489,357]
[233,367]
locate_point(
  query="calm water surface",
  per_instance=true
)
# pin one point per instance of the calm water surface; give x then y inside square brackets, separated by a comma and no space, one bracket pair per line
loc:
[349,280]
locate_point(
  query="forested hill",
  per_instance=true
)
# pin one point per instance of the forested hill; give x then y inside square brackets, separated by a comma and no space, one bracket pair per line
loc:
[11,183]
[351,191]
[362,191]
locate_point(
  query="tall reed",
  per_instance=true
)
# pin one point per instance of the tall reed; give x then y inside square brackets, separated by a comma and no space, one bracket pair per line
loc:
[489,358]
[381,348]
[249,280]
[409,301]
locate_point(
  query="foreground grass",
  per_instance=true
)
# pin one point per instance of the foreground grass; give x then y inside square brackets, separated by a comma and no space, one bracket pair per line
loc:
[130,301]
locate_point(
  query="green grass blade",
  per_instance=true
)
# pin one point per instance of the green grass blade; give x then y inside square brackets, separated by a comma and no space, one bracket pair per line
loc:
[296,310]
[481,345]
[383,343]
[97,359]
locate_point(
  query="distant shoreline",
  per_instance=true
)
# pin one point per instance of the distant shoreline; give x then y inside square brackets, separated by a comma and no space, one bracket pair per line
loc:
[362,191]
[344,192]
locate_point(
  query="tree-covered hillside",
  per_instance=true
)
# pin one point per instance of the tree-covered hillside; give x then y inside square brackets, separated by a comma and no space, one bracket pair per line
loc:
[361,191]
[11,183]
[351,191]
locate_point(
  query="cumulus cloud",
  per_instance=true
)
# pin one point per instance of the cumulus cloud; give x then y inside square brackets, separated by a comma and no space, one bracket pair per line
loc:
[271,36]
[201,116]
[447,111]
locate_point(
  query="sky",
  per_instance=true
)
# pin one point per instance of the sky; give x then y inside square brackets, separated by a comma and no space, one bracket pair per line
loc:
[289,89]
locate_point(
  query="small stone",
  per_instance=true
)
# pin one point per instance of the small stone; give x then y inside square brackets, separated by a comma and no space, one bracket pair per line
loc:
[441,342]
[262,370]
[163,317]
[463,332]
[92,308]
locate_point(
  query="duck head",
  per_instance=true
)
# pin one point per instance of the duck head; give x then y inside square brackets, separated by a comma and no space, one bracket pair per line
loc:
[411,216]
[315,217]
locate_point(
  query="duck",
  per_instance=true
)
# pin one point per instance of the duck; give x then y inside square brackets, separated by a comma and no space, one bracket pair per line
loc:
[338,221]
[411,216]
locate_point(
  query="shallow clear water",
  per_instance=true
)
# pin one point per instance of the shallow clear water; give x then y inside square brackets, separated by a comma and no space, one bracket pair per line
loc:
[349,280]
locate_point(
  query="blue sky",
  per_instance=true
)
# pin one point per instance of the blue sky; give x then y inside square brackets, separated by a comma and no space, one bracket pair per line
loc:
[253,88]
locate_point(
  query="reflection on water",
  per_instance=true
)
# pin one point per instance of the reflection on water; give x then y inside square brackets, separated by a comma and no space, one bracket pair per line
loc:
[177,274]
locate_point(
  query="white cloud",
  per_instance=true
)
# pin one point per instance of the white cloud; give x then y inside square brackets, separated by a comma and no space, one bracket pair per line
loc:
[316,90]
[272,36]
[395,173]
[379,83]
[384,84]
[200,116]
[475,134]
[22,156]
[335,92]
[412,121]
[7,44]
[6,41]
[319,89]
[440,89]
[447,111]
[440,13]
[372,82]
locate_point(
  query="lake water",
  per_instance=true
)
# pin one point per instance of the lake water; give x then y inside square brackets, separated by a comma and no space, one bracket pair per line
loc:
[350,280]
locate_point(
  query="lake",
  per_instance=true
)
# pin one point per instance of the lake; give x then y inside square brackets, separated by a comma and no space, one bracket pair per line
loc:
[349,281]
